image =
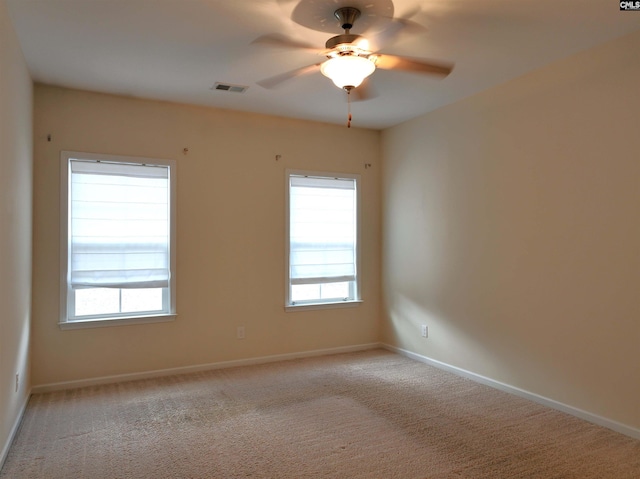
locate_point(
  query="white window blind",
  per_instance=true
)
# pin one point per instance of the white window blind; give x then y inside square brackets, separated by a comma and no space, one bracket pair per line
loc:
[119,225]
[322,230]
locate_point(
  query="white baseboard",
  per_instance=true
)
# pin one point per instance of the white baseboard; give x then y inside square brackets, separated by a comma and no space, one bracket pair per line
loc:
[14,430]
[197,368]
[587,416]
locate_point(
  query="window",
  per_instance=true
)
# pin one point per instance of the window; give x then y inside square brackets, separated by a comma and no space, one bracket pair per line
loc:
[118,239]
[322,239]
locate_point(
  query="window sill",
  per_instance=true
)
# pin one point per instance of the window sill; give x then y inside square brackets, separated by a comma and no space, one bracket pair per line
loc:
[312,306]
[108,322]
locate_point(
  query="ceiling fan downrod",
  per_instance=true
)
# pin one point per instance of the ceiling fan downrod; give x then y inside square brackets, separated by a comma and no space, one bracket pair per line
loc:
[347,17]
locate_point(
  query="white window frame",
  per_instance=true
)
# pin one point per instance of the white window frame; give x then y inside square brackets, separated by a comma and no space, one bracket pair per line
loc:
[66,294]
[356,298]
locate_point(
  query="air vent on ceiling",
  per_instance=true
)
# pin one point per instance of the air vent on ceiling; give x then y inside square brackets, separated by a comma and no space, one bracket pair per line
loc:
[230,87]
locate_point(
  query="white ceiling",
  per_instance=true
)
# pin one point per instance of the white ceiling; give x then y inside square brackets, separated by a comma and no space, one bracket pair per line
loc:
[177,49]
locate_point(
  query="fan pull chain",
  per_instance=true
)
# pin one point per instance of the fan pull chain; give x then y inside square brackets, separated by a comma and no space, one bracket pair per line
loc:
[348,107]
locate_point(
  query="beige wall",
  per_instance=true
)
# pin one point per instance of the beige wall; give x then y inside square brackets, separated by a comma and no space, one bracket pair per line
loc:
[15,227]
[230,270]
[511,229]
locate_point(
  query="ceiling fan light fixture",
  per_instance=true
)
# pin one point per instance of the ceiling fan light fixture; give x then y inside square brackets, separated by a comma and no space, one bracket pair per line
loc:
[347,70]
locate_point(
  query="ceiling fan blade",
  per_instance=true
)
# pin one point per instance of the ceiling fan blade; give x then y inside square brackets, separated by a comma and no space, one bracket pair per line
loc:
[275,81]
[392,62]
[282,41]
[397,26]
[364,92]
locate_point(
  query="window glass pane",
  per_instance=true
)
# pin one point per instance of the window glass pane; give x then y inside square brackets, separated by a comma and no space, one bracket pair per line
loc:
[141,299]
[334,290]
[92,301]
[305,292]
[322,291]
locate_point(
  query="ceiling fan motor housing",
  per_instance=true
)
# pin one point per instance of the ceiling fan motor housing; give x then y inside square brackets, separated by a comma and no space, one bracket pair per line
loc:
[342,42]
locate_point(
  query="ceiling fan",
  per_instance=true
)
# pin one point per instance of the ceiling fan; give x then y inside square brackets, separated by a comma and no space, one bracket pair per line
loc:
[350,59]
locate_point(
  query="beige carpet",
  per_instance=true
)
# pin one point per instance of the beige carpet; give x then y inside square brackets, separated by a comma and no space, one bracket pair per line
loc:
[372,414]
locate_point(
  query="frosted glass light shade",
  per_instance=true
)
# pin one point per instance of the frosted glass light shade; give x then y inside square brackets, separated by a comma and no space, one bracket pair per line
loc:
[347,70]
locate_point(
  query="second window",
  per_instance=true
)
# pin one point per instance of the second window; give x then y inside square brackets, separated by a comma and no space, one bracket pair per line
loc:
[322,240]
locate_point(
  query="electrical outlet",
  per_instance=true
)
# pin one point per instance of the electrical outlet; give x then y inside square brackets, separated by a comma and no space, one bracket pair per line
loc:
[240,332]
[425,331]
[17,381]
